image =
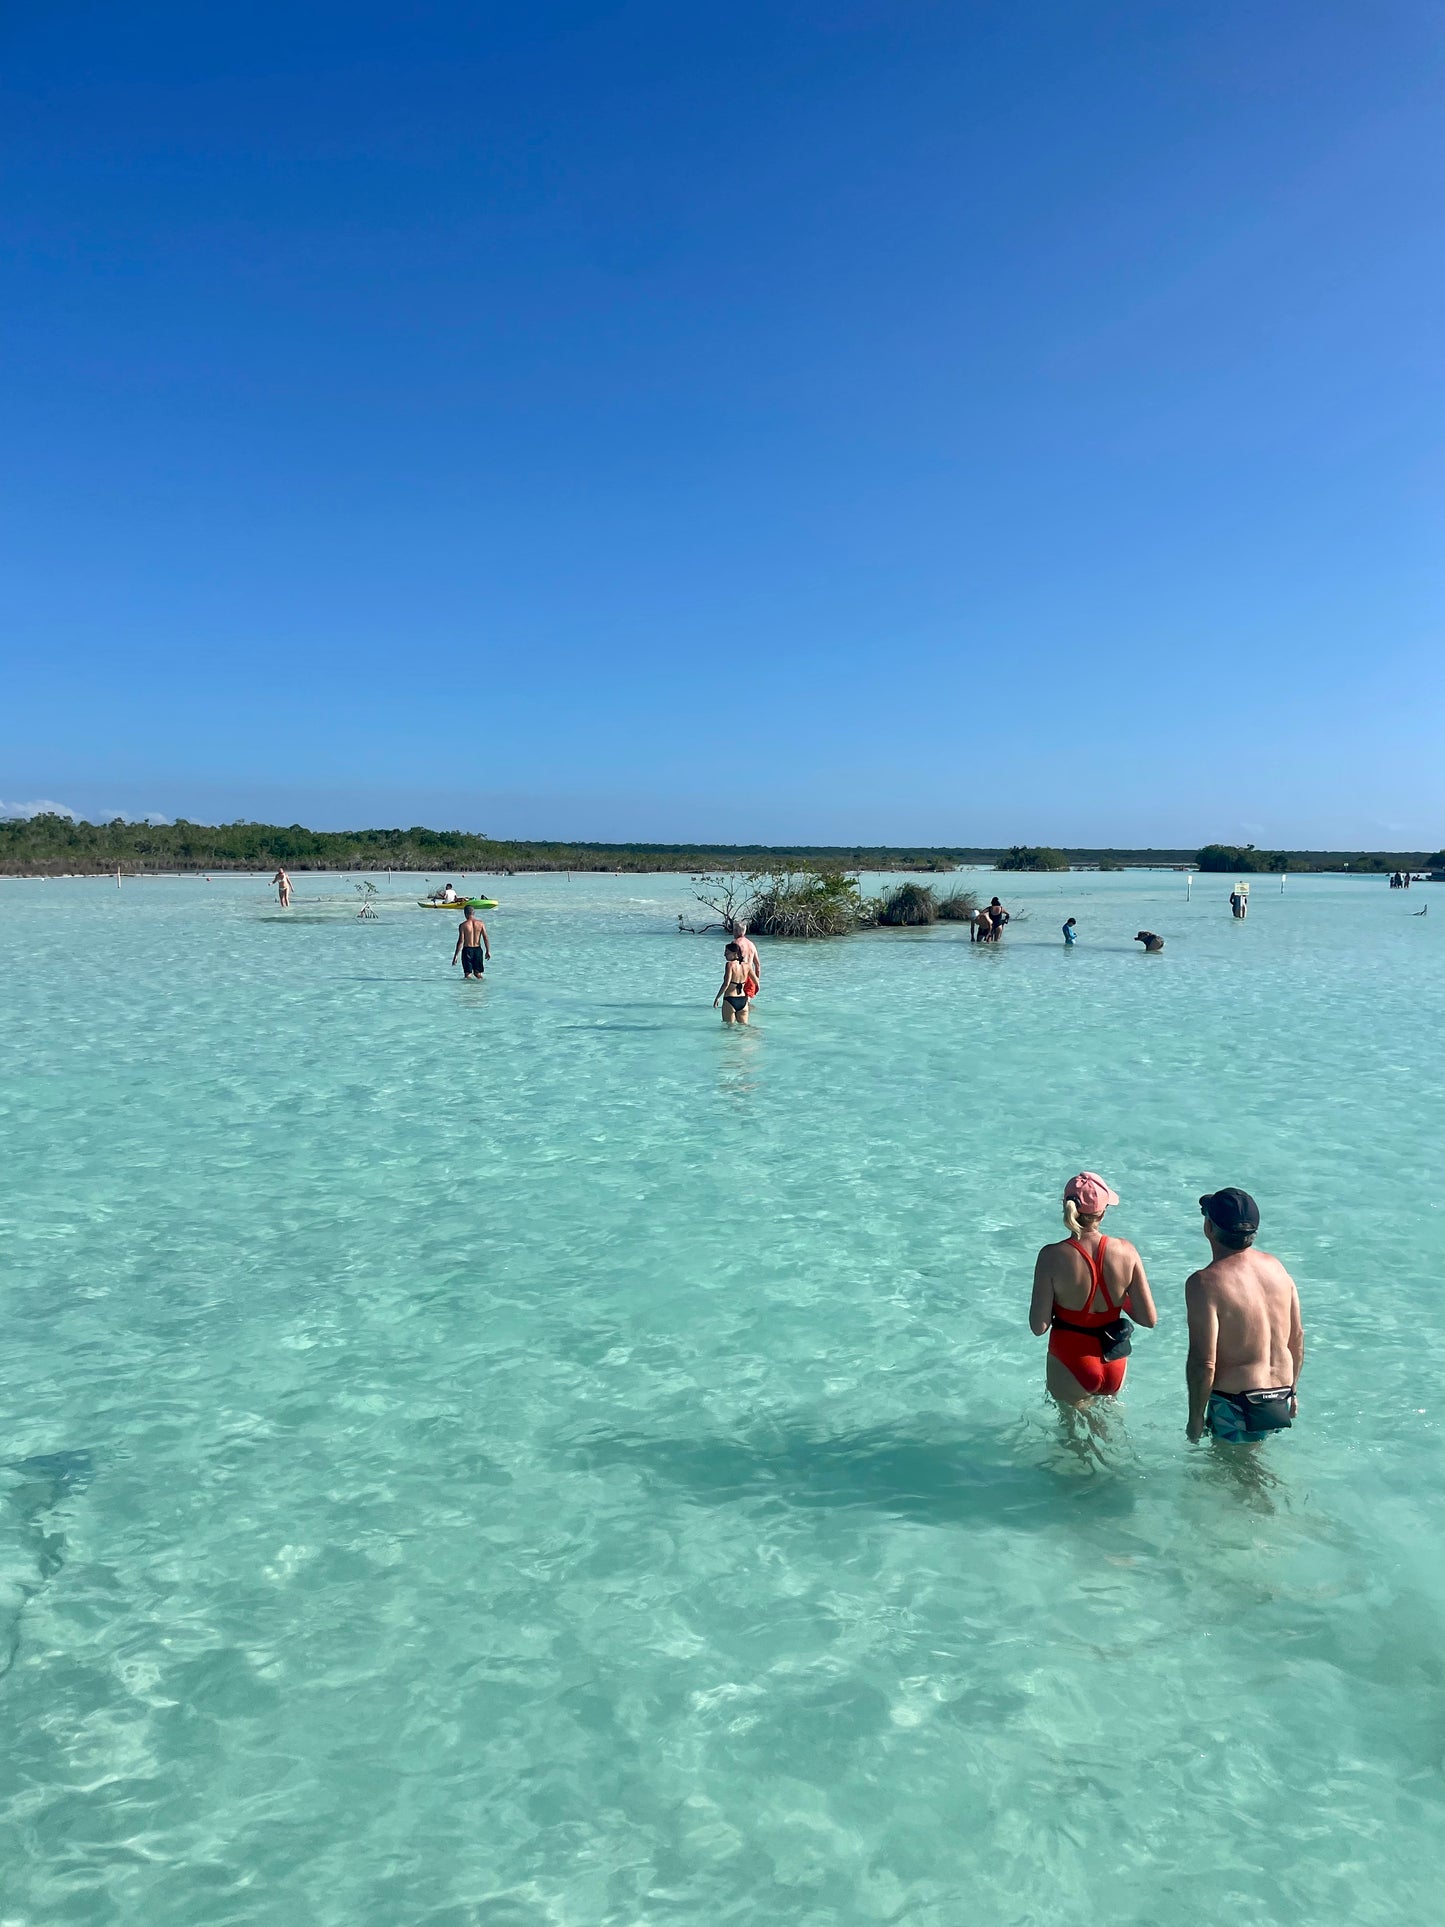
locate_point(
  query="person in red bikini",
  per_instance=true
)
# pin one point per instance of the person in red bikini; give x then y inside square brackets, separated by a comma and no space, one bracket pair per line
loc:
[1087,1288]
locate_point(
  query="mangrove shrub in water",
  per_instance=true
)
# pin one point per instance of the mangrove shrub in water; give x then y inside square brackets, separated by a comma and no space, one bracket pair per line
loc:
[959,906]
[909,904]
[1024,856]
[807,903]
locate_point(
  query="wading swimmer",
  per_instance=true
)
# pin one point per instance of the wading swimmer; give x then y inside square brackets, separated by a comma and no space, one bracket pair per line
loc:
[733,989]
[472,946]
[283,889]
[1149,940]
[1246,1337]
[751,961]
[988,923]
[1083,1288]
[1071,931]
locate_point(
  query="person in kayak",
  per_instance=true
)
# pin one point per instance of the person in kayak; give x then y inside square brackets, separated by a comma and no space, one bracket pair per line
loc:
[472,945]
[1086,1290]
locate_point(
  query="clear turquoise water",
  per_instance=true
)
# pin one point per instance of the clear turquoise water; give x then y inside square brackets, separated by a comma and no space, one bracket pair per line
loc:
[523,1454]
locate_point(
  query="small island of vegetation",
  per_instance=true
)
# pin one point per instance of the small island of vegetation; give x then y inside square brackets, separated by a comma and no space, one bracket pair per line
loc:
[1025,856]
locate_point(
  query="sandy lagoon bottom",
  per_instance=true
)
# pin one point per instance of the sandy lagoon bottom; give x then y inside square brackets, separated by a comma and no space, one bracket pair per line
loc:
[505,1455]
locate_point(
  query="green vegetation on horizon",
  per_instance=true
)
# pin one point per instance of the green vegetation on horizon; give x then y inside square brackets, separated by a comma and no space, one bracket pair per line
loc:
[1025,856]
[50,844]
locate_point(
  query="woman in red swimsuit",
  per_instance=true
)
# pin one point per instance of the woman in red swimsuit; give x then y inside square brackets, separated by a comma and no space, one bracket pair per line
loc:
[1081,1285]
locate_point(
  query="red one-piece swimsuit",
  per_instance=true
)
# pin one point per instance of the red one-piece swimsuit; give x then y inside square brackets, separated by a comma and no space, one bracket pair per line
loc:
[1080,1351]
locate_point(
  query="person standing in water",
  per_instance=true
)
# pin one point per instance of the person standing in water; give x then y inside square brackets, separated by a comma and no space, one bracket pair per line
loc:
[751,961]
[733,990]
[472,945]
[1086,1290]
[1246,1336]
[1071,931]
[283,889]
[988,923]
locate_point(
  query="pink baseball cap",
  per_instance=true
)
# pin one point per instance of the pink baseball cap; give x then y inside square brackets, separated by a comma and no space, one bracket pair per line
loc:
[1089,1191]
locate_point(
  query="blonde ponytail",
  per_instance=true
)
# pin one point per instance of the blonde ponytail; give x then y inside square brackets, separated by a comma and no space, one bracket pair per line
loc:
[1075,1223]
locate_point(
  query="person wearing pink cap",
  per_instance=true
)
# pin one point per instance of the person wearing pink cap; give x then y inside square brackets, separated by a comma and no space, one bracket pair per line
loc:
[1087,1289]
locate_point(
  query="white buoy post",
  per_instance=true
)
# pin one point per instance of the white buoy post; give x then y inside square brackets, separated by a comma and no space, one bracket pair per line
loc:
[1188,884]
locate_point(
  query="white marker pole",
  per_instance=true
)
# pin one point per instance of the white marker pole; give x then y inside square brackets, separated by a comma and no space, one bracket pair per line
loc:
[117,876]
[1188,884]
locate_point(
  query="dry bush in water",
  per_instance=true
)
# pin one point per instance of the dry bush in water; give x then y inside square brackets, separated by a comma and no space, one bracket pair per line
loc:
[909,905]
[958,906]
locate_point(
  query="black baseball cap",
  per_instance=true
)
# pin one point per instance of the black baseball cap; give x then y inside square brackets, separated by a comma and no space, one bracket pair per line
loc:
[1231,1210]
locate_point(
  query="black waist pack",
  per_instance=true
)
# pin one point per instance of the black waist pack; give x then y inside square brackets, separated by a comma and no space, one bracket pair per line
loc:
[1264,1411]
[1114,1340]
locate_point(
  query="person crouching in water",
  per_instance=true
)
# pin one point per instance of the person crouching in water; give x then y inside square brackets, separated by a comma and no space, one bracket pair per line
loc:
[1087,1288]
[734,987]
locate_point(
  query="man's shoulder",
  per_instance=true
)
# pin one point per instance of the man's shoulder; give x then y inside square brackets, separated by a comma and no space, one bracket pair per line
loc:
[1274,1268]
[1200,1284]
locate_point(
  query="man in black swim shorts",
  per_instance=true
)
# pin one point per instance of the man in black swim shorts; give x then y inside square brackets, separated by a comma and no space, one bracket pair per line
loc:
[1246,1336]
[472,946]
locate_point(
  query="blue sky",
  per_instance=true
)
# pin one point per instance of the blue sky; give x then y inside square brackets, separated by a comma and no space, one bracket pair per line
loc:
[870,420]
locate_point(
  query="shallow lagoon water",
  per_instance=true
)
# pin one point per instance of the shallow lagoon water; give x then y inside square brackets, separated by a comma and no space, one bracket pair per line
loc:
[486,1456]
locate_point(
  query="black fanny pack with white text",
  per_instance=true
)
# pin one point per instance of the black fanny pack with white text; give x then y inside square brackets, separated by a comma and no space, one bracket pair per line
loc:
[1267,1411]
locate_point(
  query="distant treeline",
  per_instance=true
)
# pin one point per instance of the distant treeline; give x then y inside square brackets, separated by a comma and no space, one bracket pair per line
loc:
[48,845]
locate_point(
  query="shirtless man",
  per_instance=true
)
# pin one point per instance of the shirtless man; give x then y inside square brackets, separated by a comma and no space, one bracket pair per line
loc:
[1150,939]
[283,889]
[748,952]
[1246,1340]
[472,946]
